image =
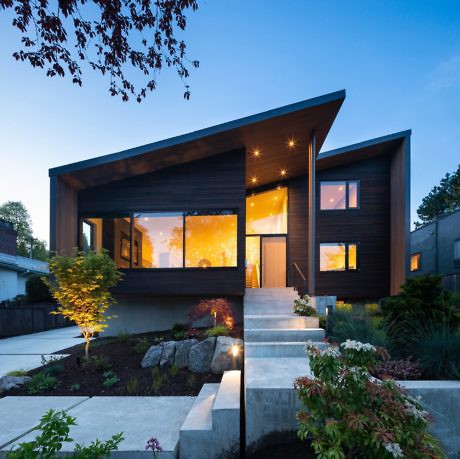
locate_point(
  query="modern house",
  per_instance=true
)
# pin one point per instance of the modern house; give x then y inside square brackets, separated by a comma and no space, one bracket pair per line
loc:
[435,249]
[246,204]
[14,269]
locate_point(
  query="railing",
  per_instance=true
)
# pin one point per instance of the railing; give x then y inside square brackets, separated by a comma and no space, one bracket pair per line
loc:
[298,279]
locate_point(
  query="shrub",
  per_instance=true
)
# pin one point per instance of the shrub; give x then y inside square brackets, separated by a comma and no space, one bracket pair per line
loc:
[193,333]
[217,311]
[404,369]
[350,414]
[178,332]
[17,373]
[158,339]
[36,290]
[81,285]
[218,330]
[54,430]
[157,379]
[141,345]
[110,379]
[53,369]
[422,300]
[341,306]
[302,307]
[18,300]
[372,308]
[41,382]
[74,387]
[132,386]
[173,371]
[124,337]
[356,325]
[95,363]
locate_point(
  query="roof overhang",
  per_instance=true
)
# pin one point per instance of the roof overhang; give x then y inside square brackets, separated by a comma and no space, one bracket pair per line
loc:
[268,131]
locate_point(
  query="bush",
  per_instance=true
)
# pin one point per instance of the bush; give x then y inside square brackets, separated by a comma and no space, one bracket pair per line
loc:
[404,369]
[141,345]
[193,333]
[350,414]
[41,382]
[124,337]
[95,363]
[36,290]
[178,332]
[110,379]
[302,307]
[422,300]
[18,300]
[53,369]
[355,324]
[219,330]
[217,311]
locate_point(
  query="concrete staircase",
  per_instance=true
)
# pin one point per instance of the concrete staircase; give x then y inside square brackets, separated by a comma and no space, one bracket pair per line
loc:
[212,427]
[274,342]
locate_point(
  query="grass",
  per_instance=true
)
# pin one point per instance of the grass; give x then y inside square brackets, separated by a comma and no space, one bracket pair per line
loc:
[17,373]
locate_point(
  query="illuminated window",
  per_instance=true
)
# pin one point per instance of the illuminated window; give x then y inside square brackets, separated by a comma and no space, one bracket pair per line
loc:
[338,256]
[158,240]
[266,213]
[415,259]
[339,195]
[252,261]
[210,241]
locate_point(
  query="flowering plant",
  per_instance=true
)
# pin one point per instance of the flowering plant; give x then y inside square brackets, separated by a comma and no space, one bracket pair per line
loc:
[351,414]
[302,307]
[154,445]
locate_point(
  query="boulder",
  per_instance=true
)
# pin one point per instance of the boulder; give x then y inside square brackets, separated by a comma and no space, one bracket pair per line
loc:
[167,358]
[182,352]
[200,356]
[11,382]
[223,359]
[153,356]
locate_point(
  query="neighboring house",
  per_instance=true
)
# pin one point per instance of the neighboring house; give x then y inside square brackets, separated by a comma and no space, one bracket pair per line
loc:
[248,203]
[14,269]
[435,249]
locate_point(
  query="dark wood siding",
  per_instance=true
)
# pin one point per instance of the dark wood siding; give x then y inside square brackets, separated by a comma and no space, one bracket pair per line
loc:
[217,182]
[369,226]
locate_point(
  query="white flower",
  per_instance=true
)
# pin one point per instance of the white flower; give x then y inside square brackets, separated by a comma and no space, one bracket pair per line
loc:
[394,449]
[414,411]
[357,346]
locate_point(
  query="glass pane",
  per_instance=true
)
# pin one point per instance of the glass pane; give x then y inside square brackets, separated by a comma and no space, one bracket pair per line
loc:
[158,240]
[353,195]
[415,262]
[210,241]
[457,250]
[332,257]
[352,256]
[333,195]
[86,236]
[266,213]
[253,262]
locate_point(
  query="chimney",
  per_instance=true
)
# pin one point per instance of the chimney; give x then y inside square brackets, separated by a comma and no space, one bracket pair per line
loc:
[8,238]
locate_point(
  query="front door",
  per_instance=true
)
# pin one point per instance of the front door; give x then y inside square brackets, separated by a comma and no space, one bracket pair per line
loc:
[274,261]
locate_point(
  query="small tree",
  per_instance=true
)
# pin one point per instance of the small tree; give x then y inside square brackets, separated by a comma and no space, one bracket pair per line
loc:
[80,284]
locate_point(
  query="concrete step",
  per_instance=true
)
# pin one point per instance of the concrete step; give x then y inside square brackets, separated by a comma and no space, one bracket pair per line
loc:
[277,349]
[280,321]
[283,335]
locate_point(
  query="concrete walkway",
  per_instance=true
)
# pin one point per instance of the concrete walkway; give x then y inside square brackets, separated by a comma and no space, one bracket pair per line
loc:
[24,352]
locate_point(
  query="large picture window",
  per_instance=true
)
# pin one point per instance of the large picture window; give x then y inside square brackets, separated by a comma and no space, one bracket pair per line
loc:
[154,240]
[339,195]
[338,256]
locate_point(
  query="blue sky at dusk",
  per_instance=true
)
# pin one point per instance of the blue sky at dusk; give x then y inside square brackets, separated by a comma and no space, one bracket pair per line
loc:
[399,62]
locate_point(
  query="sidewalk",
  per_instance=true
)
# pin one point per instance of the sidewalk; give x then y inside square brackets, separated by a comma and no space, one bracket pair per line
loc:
[24,352]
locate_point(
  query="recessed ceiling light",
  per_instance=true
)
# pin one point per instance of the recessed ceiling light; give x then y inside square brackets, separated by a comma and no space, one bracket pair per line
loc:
[283,172]
[291,143]
[256,152]
[254,180]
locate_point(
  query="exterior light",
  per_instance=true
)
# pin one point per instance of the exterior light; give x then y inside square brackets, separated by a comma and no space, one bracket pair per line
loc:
[254,180]
[291,143]
[283,172]
[340,188]
[235,350]
[256,152]
[331,200]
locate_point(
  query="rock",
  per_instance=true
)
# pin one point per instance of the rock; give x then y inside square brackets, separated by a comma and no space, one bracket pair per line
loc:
[167,358]
[11,382]
[182,352]
[153,356]
[200,356]
[223,359]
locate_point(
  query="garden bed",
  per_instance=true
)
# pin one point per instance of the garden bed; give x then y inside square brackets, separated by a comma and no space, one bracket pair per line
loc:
[118,360]
[295,449]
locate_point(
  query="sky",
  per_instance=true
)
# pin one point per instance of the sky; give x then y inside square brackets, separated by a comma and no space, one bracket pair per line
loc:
[399,62]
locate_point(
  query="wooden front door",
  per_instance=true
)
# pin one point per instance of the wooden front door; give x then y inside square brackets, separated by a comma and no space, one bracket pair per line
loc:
[274,261]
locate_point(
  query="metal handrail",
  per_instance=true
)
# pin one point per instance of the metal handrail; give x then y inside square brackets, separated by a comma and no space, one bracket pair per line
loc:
[299,272]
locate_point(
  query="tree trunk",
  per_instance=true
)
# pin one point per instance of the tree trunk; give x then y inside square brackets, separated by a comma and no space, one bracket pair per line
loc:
[87,337]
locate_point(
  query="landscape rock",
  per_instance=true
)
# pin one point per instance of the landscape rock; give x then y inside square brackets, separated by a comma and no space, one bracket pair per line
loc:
[153,356]
[182,352]
[167,358]
[11,382]
[223,359]
[200,356]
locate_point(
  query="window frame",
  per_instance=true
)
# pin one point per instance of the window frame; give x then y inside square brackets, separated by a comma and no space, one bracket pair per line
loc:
[347,194]
[456,260]
[186,212]
[347,264]
[419,264]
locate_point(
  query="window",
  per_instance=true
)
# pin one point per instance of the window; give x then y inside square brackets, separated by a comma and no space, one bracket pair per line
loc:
[266,213]
[339,195]
[158,240]
[457,250]
[415,261]
[338,256]
[210,241]
[165,239]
